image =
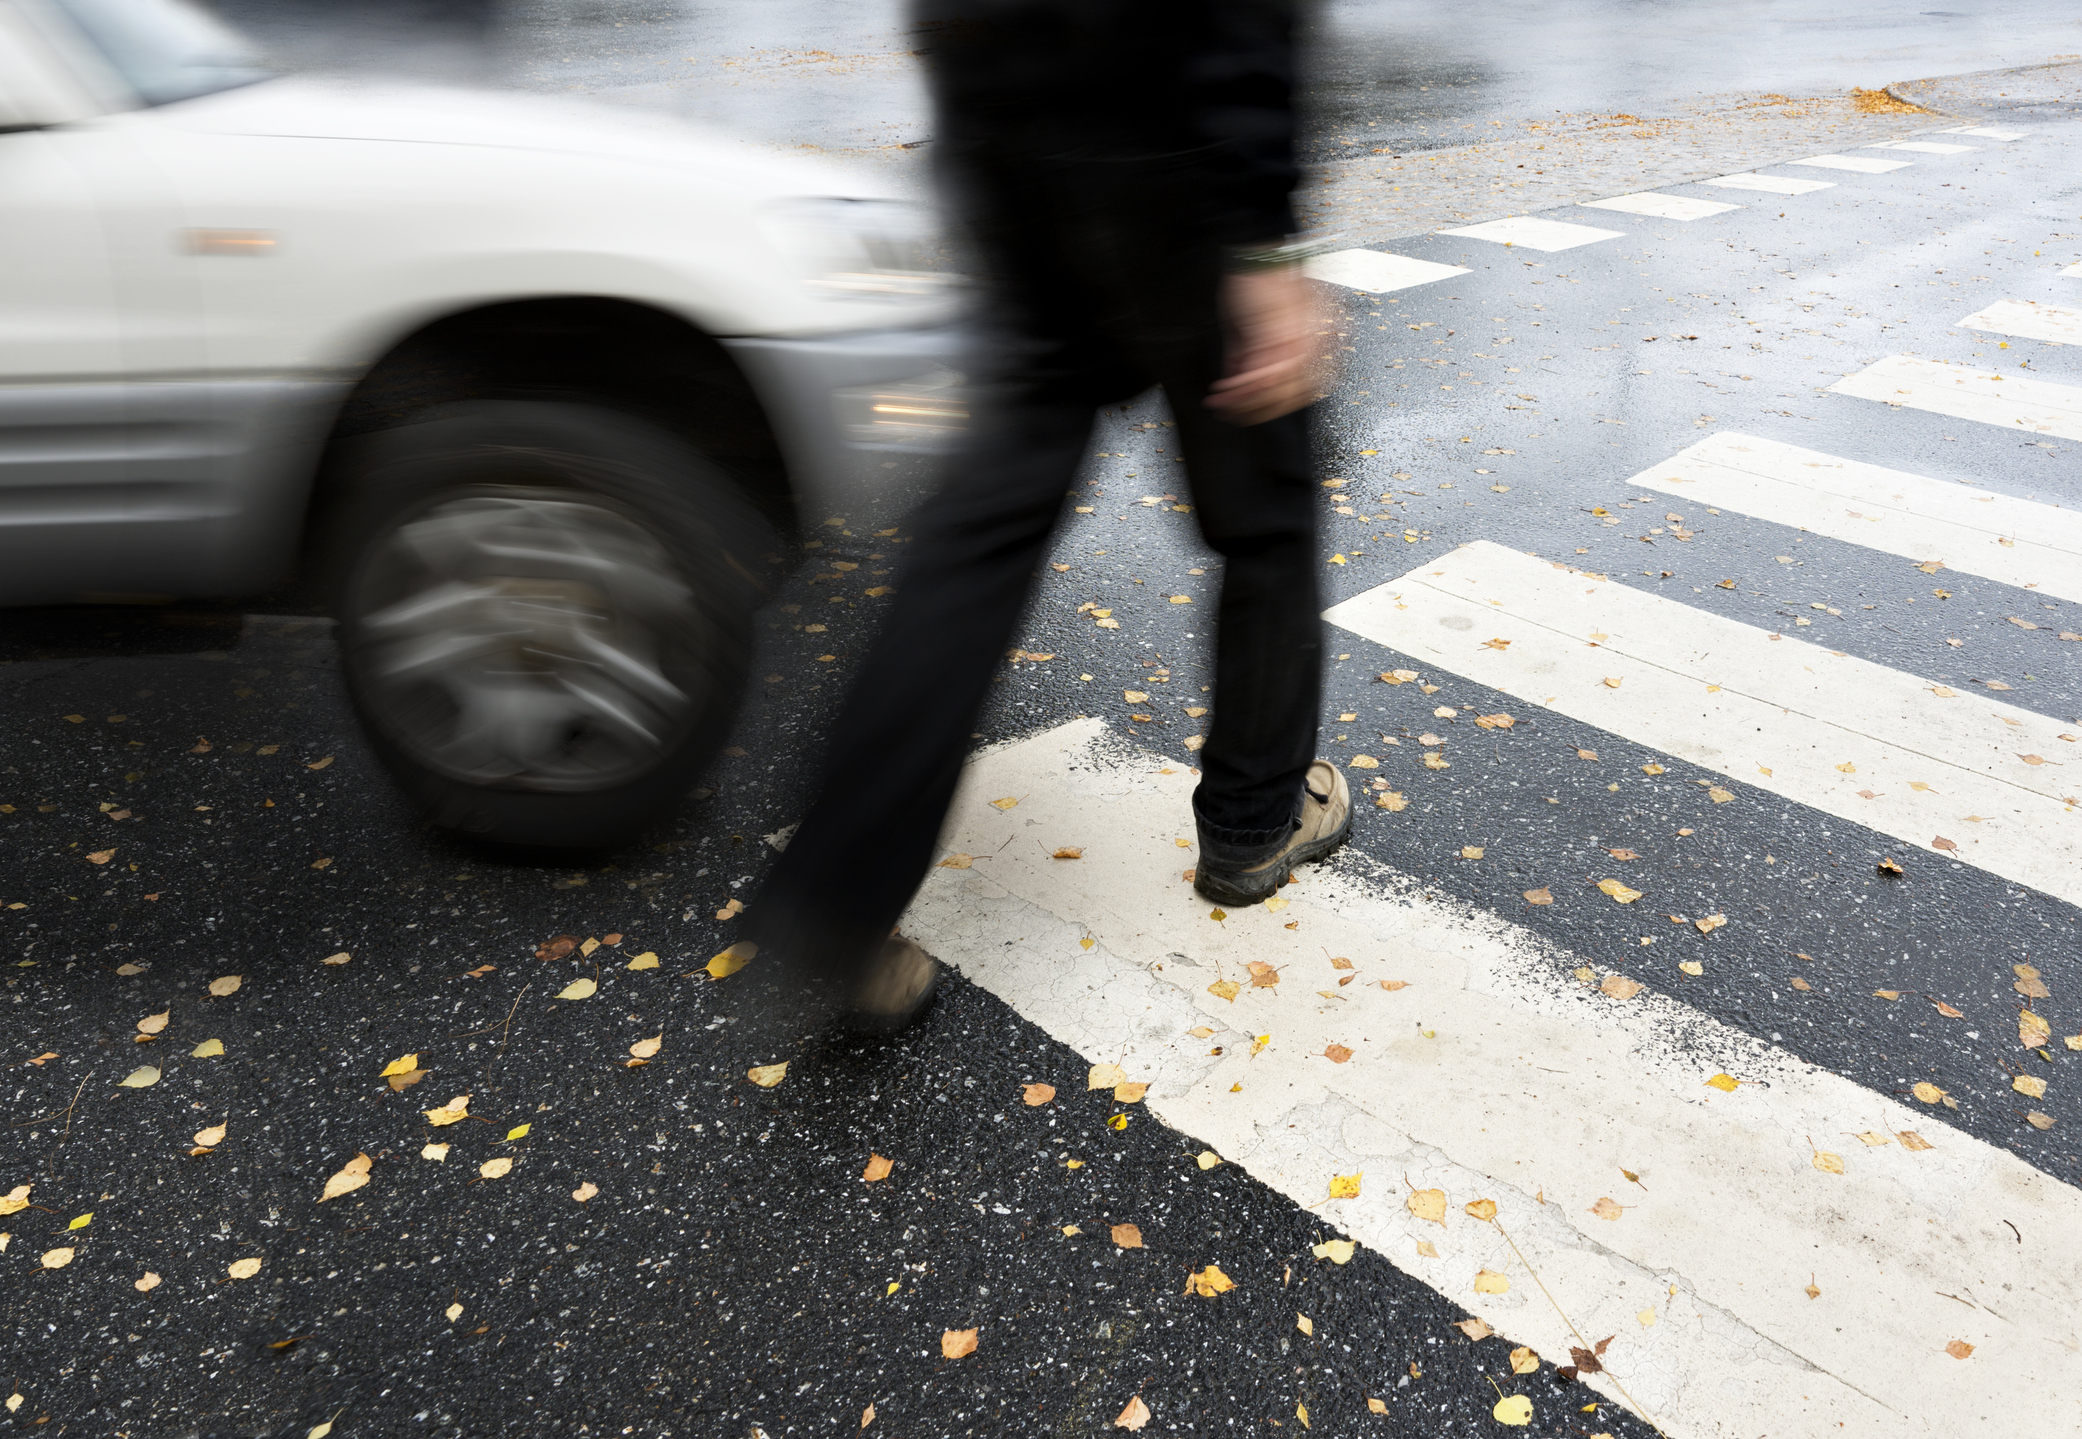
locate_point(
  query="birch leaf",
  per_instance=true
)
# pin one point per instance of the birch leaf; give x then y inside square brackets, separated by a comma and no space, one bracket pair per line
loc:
[349,1179]
[578,989]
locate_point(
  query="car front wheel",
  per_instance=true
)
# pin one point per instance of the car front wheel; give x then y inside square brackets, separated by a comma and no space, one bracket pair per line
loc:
[545,616]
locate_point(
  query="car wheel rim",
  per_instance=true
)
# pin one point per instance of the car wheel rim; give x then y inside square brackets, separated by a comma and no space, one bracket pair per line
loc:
[527,639]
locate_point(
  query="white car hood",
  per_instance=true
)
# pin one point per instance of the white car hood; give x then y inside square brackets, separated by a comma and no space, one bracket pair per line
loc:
[308,108]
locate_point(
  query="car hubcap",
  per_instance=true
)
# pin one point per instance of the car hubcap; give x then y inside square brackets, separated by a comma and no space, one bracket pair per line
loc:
[527,639]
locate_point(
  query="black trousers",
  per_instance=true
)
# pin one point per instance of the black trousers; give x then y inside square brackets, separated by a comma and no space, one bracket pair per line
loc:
[1087,310]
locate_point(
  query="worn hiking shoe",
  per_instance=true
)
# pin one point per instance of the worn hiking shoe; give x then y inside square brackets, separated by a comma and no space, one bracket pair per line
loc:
[897,988]
[1231,874]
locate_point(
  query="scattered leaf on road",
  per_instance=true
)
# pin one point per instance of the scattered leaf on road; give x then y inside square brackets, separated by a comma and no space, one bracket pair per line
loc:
[1524,1361]
[227,985]
[1428,1204]
[957,1343]
[243,1268]
[456,1108]
[1337,1251]
[1105,1076]
[766,1076]
[585,1191]
[1133,1416]
[1209,1282]
[1474,1328]
[208,1049]
[1607,1209]
[1127,1236]
[143,1077]
[437,1152]
[1488,1281]
[352,1177]
[1036,1095]
[877,1168]
[1618,891]
[56,1258]
[579,989]
[1959,1349]
[496,1168]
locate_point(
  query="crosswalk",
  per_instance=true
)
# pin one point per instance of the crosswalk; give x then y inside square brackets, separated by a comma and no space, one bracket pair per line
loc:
[1357,1027]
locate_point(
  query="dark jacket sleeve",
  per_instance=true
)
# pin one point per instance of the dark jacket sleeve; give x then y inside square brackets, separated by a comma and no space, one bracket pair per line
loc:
[1239,85]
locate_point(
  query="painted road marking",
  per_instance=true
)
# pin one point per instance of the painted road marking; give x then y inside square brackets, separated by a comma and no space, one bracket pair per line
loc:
[1863,164]
[2029,320]
[1494,1074]
[1985,132]
[1773,184]
[1976,532]
[1662,207]
[1842,735]
[2012,401]
[1925,147]
[1535,234]
[1376,272]
[2073,271]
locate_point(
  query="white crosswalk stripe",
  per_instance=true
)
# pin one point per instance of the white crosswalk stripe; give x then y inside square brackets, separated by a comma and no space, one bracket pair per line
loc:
[1984,396]
[1770,184]
[2029,320]
[1376,272]
[1536,234]
[1974,531]
[1985,132]
[1925,147]
[1660,206]
[1862,164]
[1909,757]
[1491,1073]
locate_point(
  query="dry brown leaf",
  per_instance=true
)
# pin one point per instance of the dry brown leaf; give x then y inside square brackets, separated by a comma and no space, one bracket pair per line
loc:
[349,1179]
[1037,1095]
[1336,1053]
[1959,1348]
[1391,985]
[1607,1208]
[1127,1236]
[1542,895]
[1263,975]
[2038,1120]
[1133,1416]
[2032,1030]
[957,1343]
[557,947]
[877,1168]
[1524,1361]
[1618,986]
[1618,891]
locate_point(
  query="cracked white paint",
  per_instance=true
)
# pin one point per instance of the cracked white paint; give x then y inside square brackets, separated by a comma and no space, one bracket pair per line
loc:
[1496,1074]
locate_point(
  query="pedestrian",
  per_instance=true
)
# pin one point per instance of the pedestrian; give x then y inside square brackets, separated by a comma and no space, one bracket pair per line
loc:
[1122,169]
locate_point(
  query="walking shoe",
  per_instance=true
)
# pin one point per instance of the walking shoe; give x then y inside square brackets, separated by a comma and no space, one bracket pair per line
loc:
[1233,874]
[897,988]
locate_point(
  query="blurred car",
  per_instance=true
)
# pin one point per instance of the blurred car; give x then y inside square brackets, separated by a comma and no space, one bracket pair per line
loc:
[529,388]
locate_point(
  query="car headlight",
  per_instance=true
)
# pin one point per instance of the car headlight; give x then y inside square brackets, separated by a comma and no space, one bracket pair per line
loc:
[864,249]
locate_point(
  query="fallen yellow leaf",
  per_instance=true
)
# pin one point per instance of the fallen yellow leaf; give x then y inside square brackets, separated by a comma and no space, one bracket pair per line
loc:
[496,1168]
[456,1108]
[1618,891]
[1483,1209]
[1036,1095]
[208,1049]
[647,1048]
[1488,1281]
[1209,1282]
[1127,1236]
[349,1179]
[1133,1416]
[579,989]
[142,1077]
[1524,1361]
[1513,1409]
[153,1023]
[243,1268]
[56,1258]
[1337,1251]
[766,1076]
[227,985]
[437,1152]
[647,960]
[1724,1082]
[1428,1204]
[208,1138]
[877,1168]
[585,1191]
[1105,1076]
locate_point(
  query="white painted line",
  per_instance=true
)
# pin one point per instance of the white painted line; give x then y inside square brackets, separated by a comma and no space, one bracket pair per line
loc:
[1985,132]
[1771,184]
[1496,1075]
[1661,206]
[2029,320]
[1376,272]
[1535,234]
[1972,531]
[1925,147]
[1779,714]
[1863,164]
[2012,401]
[2073,271]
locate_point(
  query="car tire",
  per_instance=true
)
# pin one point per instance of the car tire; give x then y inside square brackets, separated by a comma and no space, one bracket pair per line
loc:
[545,615]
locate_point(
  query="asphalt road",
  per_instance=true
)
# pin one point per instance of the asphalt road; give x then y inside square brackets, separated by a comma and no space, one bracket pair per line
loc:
[730,1271]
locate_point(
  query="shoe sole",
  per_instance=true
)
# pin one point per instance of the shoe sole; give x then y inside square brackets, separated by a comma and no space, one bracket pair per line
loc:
[871,1024]
[1223,890]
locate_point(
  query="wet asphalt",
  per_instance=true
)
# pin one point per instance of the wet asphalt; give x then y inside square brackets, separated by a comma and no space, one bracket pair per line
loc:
[733,1271]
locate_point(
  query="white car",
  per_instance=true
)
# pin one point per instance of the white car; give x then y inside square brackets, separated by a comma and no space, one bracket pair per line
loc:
[528,388]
